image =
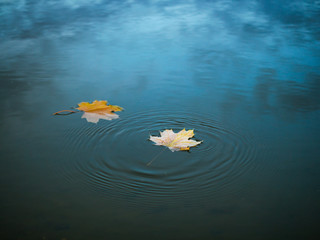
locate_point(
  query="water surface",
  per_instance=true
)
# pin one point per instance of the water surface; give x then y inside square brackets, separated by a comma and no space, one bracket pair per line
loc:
[245,75]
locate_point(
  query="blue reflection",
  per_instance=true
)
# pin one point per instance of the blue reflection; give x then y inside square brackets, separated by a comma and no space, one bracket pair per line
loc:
[244,74]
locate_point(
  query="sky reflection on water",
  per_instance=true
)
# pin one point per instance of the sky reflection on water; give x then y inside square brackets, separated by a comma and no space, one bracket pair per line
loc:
[244,74]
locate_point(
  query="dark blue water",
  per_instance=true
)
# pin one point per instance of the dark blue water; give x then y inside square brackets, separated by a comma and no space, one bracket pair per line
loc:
[245,75]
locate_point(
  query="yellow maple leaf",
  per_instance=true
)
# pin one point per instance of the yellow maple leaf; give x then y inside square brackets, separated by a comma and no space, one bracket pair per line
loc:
[94,111]
[176,141]
[98,107]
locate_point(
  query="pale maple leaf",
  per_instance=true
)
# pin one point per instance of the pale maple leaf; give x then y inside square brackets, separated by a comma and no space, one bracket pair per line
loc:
[176,141]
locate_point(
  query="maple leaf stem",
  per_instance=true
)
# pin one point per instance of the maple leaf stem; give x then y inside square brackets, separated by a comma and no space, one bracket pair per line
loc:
[155,157]
[61,112]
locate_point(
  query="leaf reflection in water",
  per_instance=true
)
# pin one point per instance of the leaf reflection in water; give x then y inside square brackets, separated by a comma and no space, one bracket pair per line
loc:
[94,117]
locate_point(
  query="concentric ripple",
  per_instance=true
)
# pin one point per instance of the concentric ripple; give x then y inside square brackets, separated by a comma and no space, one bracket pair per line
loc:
[112,158]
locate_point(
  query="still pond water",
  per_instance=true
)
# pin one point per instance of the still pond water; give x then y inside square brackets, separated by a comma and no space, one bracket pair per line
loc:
[245,75]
